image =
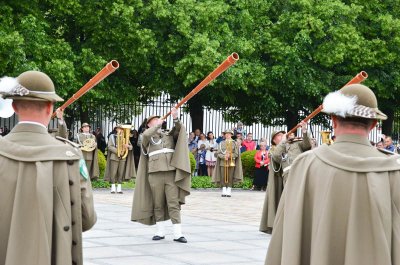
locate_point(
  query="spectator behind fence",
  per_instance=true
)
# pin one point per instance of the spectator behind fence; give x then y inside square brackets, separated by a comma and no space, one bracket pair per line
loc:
[239,129]
[389,144]
[210,157]
[220,138]
[261,172]
[239,144]
[248,143]
[197,133]
[202,145]
[379,145]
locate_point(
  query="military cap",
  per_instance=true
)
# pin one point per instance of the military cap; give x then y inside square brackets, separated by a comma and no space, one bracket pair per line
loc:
[274,133]
[85,124]
[30,85]
[119,125]
[228,131]
[151,117]
[353,101]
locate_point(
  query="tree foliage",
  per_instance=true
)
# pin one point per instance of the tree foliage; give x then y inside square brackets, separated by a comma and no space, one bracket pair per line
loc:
[292,52]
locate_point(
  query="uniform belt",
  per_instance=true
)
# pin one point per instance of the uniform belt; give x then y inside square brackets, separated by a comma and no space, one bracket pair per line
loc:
[286,169]
[161,151]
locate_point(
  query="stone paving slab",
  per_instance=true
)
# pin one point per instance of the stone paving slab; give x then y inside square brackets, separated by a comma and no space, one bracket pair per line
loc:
[219,231]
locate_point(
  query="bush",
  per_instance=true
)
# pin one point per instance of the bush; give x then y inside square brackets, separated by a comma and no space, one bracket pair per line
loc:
[204,182]
[192,162]
[101,159]
[248,163]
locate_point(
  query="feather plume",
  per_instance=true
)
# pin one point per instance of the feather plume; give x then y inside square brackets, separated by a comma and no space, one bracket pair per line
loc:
[6,109]
[7,84]
[339,104]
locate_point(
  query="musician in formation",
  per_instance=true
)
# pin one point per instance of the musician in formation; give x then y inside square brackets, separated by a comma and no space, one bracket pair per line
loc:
[163,179]
[228,169]
[46,197]
[88,144]
[289,148]
[274,187]
[341,202]
[120,161]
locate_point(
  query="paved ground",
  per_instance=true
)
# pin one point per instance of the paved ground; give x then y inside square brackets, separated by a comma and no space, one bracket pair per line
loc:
[219,231]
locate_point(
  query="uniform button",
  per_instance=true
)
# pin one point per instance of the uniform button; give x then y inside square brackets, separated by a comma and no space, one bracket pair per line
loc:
[71,183]
[66,228]
[70,162]
[73,222]
[74,243]
[72,203]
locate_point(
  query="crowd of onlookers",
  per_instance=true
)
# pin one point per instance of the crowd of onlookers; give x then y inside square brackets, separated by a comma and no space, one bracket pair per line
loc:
[203,147]
[4,131]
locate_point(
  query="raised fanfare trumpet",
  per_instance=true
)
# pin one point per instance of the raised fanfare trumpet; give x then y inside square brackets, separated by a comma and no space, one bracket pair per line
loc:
[359,78]
[231,60]
[122,141]
[103,73]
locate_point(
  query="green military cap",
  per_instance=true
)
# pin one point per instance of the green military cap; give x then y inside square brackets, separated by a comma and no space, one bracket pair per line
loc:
[30,85]
[85,124]
[274,133]
[353,101]
[228,131]
[151,117]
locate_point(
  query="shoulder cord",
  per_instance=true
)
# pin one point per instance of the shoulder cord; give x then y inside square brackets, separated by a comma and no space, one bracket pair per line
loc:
[154,142]
[220,149]
[141,145]
[273,168]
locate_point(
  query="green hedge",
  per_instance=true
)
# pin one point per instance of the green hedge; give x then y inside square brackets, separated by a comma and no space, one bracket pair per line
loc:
[204,182]
[192,162]
[248,163]
[102,163]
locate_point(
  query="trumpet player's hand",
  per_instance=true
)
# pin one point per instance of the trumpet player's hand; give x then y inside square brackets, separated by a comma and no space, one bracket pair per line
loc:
[60,113]
[174,113]
[126,146]
[226,157]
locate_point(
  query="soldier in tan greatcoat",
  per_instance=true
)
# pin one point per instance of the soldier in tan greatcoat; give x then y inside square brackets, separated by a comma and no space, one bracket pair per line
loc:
[274,187]
[88,144]
[118,169]
[341,203]
[289,148]
[45,193]
[228,169]
[163,178]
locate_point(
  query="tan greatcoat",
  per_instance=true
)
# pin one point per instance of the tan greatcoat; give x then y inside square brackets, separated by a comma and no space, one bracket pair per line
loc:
[143,206]
[91,158]
[113,161]
[237,171]
[272,196]
[340,206]
[45,204]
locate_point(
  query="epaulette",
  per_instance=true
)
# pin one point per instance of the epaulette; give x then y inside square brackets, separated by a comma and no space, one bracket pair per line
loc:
[386,152]
[75,145]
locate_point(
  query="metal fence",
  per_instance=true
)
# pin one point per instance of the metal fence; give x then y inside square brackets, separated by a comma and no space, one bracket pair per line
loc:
[107,117]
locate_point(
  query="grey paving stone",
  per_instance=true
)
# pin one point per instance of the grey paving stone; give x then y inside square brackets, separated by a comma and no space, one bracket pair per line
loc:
[216,235]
